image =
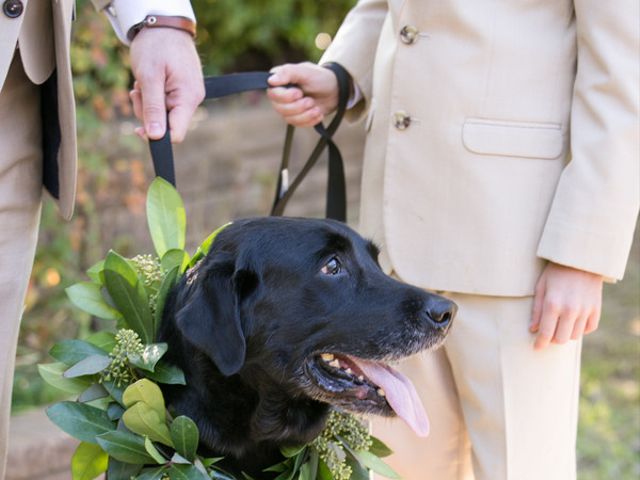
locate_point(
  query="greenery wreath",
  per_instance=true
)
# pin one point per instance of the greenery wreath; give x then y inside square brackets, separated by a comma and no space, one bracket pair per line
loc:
[120,416]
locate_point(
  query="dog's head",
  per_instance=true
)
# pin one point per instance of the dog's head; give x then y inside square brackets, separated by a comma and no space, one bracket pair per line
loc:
[301,306]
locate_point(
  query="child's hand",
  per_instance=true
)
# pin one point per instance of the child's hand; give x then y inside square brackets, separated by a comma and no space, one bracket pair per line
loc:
[307,105]
[567,305]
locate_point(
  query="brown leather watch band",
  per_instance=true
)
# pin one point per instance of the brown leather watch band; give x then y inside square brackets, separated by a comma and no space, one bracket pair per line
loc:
[160,21]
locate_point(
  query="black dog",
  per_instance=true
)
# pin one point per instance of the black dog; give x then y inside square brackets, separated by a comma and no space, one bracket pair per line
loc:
[283,318]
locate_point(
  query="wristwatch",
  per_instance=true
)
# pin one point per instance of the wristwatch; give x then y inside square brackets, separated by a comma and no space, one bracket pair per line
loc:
[161,21]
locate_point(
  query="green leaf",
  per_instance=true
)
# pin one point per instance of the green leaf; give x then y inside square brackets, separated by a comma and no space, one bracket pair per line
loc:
[100,403]
[95,272]
[278,467]
[152,473]
[149,357]
[72,351]
[175,258]
[370,461]
[128,293]
[80,421]
[167,373]
[205,246]
[379,448]
[358,472]
[103,340]
[298,461]
[153,451]
[126,447]
[52,374]
[177,458]
[168,282]
[288,475]
[92,393]
[166,217]
[309,469]
[115,391]
[185,472]
[207,462]
[88,366]
[114,411]
[88,462]
[148,392]
[121,471]
[140,418]
[292,451]
[200,466]
[185,435]
[323,471]
[87,297]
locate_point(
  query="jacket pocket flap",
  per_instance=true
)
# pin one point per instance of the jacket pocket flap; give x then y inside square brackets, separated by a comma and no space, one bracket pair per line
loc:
[513,139]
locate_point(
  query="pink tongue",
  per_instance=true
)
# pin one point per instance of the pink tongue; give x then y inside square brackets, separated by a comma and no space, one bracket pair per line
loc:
[400,393]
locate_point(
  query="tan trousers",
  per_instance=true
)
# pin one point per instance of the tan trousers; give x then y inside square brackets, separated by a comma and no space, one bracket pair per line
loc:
[20,199]
[498,409]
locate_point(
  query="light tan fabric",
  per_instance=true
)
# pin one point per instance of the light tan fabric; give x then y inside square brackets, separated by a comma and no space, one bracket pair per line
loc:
[20,198]
[522,143]
[43,34]
[522,433]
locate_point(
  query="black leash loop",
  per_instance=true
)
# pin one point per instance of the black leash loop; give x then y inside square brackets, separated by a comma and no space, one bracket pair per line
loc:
[224,85]
[336,186]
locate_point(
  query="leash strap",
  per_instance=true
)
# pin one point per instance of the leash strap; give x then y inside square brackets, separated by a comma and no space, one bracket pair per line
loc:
[336,207]
[224,85]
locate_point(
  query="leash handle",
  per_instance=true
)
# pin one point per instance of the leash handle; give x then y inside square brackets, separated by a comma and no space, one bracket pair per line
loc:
[215,87]
[336,205]
[224,85]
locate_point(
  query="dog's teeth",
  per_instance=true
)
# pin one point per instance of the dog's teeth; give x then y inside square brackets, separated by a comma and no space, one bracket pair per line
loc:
[381,392]
[361,378]
[327,357]
[349,371]
[335,363]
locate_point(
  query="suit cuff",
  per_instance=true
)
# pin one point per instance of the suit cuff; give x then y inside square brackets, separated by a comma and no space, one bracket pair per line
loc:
[605,255]
[124,14]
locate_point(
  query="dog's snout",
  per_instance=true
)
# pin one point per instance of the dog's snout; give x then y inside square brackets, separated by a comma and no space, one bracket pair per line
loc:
[440,312]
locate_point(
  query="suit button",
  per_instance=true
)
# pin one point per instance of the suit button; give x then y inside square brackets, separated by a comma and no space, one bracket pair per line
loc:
[401,120]
[13,8]
[409,34]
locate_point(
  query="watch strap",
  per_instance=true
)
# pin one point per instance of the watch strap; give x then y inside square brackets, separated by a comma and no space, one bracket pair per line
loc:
[161,21]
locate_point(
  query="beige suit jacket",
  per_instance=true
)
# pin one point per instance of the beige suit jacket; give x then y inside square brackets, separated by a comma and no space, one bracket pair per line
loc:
[499,136]
[43,34]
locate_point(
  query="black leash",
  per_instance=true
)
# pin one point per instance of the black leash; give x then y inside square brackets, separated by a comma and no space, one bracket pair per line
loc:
[224,85]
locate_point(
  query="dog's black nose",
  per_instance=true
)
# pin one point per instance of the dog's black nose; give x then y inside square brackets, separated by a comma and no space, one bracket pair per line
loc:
[440,312]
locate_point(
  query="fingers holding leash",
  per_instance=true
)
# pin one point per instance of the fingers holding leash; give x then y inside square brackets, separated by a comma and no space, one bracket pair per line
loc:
[307,105]
[168,78]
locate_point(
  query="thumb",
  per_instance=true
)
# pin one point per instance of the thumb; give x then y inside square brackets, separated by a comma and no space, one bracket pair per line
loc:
[288,74]
[538,302]
[154,110]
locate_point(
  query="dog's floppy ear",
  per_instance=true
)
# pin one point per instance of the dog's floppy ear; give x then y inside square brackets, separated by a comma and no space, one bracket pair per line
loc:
[210,318]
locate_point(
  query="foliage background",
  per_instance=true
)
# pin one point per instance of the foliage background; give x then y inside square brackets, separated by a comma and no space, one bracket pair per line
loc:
[236,35]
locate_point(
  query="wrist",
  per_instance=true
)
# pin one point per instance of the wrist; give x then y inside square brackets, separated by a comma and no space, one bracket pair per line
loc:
[125,14]
[183,24]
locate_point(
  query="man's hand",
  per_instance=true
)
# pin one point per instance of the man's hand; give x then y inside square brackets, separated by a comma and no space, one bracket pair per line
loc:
[566,305]
[168,76]
[305,106]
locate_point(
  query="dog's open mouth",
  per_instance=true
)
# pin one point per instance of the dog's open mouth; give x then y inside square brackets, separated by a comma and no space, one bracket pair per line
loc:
[367,386]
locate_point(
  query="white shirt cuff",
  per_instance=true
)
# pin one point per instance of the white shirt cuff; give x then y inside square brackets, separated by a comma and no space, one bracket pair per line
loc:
[124,14]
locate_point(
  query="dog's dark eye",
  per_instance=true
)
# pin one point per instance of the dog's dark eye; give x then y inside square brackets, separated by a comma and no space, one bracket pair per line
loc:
[332,267]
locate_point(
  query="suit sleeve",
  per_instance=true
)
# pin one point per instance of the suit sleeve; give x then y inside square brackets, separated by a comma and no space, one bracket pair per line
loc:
[354,47]
[124,14]
[591,222]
